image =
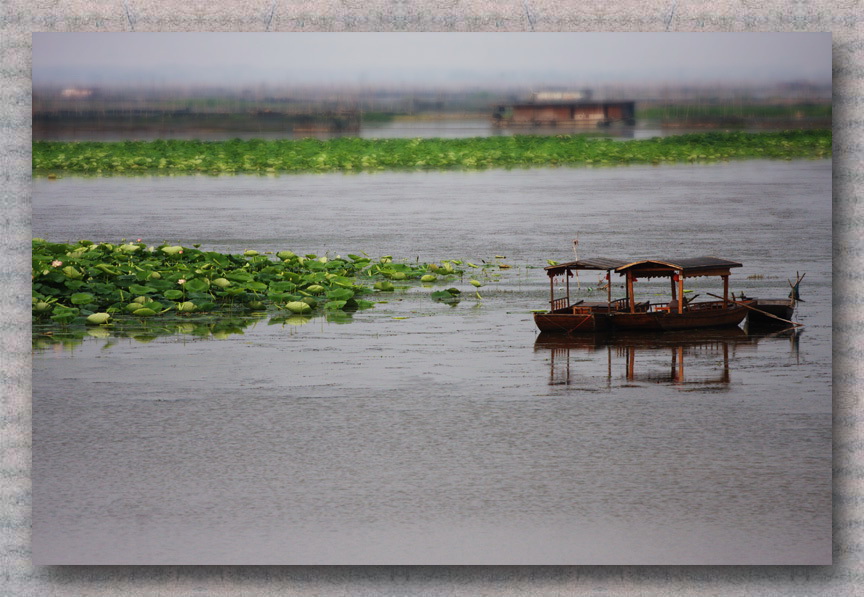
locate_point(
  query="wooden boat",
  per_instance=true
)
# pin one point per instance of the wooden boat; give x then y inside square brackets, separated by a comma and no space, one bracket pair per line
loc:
[628,313]
[775,312]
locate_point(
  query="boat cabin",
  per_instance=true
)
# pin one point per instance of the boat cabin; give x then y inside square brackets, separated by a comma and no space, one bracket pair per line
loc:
[566,269]
[677,271]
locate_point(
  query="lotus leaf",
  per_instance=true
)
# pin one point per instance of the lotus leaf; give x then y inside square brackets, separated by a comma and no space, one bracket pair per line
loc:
[256,286]
[138,289]
[81,298]
[340,294]
[197,284]
[72,273]
[221,283]
[298,307]
[98,318]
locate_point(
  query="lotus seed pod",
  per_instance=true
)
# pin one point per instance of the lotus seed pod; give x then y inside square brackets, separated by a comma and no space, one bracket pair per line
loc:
[98,318]
[429,278]
[221,283]
[298,307]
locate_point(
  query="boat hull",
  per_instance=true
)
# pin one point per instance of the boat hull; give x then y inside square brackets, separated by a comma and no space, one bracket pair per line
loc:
[648,321]
[567,323]
[782,308]
[689,320]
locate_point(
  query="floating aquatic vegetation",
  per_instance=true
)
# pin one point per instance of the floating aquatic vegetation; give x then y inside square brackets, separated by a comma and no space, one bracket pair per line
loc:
[105,284]
[370,155]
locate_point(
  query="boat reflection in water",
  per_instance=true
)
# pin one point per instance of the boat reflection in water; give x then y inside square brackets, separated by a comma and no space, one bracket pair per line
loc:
[682,357]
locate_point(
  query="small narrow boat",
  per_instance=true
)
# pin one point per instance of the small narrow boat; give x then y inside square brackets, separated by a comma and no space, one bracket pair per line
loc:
[775,312]
[628,313]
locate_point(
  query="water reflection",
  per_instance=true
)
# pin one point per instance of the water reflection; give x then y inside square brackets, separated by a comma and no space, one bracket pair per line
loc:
[700,357]
[143,331]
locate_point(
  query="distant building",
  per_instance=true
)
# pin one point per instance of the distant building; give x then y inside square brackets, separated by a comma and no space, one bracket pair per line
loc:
[552,109]
[75,93]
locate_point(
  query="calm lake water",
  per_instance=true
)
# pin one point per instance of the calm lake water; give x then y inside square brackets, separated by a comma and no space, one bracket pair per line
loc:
[425,433]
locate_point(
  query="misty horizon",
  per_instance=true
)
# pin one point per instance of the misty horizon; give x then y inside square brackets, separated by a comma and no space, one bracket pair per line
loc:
[426,60]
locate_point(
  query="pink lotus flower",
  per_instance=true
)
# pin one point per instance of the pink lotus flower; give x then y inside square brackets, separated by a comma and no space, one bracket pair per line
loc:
[56,263]
[181,281]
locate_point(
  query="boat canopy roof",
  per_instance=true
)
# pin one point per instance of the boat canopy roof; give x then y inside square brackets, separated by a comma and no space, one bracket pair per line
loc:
[601,263]
[691,267]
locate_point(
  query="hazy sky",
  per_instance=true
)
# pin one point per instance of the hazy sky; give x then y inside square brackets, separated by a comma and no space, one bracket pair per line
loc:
[368,58]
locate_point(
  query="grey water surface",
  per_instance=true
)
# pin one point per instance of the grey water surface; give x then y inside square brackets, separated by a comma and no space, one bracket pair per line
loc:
[423,433]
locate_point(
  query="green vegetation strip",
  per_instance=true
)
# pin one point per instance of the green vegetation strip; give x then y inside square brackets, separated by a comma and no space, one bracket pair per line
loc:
[96,284]
[351,154]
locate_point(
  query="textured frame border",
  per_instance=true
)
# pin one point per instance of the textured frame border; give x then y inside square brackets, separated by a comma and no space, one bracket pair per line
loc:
[19,18]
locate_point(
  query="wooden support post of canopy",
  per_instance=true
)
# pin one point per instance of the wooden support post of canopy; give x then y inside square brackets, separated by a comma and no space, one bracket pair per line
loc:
[680,292]
[725,291]
[630,298]
[567,282]
[609,288]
